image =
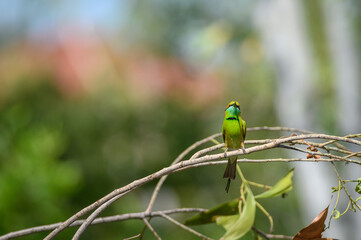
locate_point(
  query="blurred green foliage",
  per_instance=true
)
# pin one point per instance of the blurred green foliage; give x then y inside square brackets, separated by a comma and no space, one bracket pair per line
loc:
[58,155]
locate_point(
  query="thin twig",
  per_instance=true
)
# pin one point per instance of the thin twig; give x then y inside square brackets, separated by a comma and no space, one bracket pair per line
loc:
[271,236]
[353,202]
[344,159]
[133,237]
[151,228]
[327,148]
[348,136]
[92,216]
[185,227]
[141,234]
[207,150]
[115,218]
[352,154]
[270,160]
[178,159]
[270,219]
[260,185]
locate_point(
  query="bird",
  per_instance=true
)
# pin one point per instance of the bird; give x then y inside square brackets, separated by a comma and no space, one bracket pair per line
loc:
[234,133]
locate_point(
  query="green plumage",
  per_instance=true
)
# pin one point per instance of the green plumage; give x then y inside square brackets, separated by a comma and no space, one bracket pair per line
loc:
[234,134]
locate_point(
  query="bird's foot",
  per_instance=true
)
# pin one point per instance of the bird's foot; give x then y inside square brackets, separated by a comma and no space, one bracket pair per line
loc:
[225,153]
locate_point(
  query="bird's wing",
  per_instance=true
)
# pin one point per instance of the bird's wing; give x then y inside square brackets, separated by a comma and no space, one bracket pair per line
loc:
[244,129]
[224,135]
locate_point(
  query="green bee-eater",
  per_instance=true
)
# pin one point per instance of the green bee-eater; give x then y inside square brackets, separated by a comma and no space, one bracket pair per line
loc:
[234,134]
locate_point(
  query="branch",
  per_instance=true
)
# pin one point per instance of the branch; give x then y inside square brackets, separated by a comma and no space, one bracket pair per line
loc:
[327,148]
[185,227]
[283,160]
[348,136]
[270,219]
[330,156]
[151,228]
[342,186]
[116,218]
[92,216]
[165,171]
[178,159]
[133,237]
[270,236]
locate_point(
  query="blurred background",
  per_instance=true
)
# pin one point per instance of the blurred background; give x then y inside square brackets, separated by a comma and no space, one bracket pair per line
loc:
[96,94]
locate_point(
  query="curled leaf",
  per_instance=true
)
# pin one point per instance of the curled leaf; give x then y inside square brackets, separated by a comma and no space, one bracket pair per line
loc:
[238,225]
[228,208]
[358,186]
[309,155]
[282,186]
[315,229]
[312,148]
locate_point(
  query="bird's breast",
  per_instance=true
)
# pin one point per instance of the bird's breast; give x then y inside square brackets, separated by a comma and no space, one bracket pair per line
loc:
[233,134]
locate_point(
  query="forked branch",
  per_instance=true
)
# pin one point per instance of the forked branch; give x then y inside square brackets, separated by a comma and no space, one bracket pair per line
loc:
[204,158]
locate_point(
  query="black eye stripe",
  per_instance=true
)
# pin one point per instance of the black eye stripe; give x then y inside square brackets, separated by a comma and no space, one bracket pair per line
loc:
[233,104]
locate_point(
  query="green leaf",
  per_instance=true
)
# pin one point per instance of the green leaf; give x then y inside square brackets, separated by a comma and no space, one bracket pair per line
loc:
[335,189]
[227,221]
[358,186]
[238,225]
[282,186]
[228,208]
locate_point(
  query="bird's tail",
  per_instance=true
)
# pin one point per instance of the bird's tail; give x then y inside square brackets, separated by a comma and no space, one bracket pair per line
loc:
[230,171]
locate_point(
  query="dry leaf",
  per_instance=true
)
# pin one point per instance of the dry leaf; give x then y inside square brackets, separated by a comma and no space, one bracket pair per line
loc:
[315,229]
[313,149]
[309,155]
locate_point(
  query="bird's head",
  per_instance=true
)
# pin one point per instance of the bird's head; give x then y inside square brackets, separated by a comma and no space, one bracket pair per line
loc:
[233,108]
